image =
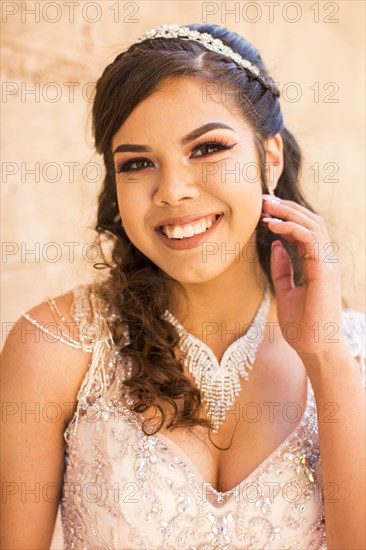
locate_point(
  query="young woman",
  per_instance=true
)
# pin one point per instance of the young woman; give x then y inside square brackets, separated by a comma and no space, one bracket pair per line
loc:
[207,392]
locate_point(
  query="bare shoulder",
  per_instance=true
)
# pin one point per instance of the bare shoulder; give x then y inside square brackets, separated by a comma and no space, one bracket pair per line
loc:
[38,360]
[41,375]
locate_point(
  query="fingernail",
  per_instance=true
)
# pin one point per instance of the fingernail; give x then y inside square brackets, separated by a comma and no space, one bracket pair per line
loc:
[276,243]
[276,220]
[271,200]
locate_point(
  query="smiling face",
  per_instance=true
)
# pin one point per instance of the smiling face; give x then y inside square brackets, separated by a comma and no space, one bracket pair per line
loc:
[185,202]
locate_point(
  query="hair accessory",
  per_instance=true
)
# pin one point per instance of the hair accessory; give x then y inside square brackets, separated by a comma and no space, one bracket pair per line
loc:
[211,43]
[219,382]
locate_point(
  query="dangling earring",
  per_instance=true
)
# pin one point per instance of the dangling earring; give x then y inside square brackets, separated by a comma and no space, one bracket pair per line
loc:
[271,188]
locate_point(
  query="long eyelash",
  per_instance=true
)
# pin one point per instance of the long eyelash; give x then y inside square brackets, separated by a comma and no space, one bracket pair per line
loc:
[219,143]
[122,167]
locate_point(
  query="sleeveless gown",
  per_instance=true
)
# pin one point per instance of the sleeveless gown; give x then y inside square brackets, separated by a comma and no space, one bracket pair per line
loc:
[123,489]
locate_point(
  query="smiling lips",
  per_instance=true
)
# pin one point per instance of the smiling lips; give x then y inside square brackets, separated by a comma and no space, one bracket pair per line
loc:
[186,230]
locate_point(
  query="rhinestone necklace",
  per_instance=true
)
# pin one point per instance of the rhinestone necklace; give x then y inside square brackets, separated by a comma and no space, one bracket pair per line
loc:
[219,382]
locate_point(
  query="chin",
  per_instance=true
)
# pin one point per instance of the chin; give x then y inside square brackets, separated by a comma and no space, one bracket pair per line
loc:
[195,274]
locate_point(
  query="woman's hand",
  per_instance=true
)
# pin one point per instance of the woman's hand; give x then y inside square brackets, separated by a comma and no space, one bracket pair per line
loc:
[310,316]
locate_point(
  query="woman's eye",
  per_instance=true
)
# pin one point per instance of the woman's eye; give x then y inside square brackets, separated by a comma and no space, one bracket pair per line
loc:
[208,148]
[130,165]
[211,147]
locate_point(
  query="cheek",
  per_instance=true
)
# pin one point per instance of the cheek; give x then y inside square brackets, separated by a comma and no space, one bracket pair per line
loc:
[246,206]
[241,191]
[132,208]
[238,174]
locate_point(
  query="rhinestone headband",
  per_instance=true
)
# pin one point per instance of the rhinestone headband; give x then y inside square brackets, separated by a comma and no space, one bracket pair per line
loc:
[211,43]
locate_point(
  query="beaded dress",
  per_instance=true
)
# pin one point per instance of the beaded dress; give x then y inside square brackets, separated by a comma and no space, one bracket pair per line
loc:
[123,489]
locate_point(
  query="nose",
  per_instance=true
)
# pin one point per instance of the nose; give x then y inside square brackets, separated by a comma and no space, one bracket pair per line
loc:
[174,186]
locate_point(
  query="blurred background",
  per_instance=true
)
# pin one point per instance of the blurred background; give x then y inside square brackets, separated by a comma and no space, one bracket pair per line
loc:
[52,54]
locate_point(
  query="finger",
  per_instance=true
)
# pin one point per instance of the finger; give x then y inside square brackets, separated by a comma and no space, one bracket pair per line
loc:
[281,270]
[288,213]
[305,237]
[298,207]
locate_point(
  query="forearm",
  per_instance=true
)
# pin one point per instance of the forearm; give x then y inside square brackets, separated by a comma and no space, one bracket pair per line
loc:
[340,400]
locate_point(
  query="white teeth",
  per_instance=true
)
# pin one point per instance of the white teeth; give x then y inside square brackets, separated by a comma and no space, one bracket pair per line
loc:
[189,229]
[178,233]
[197,228]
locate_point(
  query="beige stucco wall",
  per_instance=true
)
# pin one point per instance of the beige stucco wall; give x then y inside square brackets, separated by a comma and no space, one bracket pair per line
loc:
[314,50]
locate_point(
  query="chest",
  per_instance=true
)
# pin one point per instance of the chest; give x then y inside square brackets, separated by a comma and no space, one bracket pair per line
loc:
[151,490]
[267,410]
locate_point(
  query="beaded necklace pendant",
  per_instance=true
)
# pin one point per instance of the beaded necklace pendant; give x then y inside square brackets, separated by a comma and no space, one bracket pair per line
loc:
[220,382]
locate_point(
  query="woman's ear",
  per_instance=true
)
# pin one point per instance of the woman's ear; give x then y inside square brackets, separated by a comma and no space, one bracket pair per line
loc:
[274,159]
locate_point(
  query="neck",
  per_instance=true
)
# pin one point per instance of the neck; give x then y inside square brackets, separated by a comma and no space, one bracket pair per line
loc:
[220,310]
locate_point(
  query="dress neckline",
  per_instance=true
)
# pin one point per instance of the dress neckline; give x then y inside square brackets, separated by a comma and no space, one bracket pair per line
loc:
[237,487]
[182,454]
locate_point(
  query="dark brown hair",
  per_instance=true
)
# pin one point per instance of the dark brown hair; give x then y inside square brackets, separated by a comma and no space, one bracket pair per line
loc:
[135,285]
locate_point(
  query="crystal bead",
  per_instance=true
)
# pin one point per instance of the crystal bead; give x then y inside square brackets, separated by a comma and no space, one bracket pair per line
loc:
[296,447]
[105,415]
[288,456]
[309,475]
[140,464]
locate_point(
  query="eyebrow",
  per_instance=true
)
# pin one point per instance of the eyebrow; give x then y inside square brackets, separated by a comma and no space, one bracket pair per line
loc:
[194,134]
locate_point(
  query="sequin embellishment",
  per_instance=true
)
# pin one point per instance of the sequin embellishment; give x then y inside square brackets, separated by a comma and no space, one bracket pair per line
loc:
[125,489]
